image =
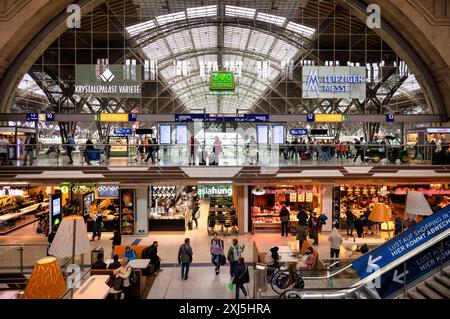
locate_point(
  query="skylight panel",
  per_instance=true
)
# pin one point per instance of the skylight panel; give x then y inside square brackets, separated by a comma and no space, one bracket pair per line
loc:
[141,27]
[157,50]
[180,42]
[300,29]
[171,17]
[240,12]
[236,38]
[283,51]
[200,12]
[277,20]
[260,43]
[204,38]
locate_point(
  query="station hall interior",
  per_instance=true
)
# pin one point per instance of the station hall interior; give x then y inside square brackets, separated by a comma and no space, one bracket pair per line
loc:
[147,145]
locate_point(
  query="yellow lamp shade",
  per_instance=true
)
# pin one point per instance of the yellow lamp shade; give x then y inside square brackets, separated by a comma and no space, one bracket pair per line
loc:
[46,281]
[380,213]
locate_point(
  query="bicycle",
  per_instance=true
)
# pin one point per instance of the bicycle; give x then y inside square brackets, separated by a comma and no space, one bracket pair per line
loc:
[280,281]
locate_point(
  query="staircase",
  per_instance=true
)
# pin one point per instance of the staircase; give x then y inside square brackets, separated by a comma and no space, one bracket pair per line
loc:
[434,287]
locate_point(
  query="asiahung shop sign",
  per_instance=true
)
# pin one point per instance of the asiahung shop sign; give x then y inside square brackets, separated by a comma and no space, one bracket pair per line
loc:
[108,80]
[215,191]
[334,82]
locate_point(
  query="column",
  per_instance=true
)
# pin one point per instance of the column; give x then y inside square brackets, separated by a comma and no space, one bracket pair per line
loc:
[327,206]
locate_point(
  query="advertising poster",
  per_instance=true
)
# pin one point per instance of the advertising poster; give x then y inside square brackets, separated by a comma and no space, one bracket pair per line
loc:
[55,210]
[127,211]
[262,134]
[181,137]
[278,134]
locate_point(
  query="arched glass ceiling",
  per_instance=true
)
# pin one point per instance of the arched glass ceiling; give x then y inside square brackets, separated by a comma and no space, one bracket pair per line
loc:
[243,50]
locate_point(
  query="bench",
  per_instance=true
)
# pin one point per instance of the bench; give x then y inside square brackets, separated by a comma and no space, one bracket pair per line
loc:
[135,289]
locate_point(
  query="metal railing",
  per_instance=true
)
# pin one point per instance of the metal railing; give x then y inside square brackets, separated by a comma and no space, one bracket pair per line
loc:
[237,154]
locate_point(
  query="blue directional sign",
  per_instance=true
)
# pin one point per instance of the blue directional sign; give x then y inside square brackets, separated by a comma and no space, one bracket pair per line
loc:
[258,118]
[298,131]
[222,118]
[49,117]
[404,243]
[32,117]
[416,267]
[189,117]
[132,117]
[390,118]
[123,131]
[310,118]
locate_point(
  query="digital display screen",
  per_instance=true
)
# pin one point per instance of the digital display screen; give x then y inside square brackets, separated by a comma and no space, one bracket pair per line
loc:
[165,134]
[319,132]
[181,134]
[262,134]
[278,134]
[87,200]
[56,206]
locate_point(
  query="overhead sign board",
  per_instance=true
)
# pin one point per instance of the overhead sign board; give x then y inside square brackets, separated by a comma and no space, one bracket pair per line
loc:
[334,82]
[222,117]
[390,118]
[436,130]
[121,117]
[328,118]
[123,131]
[403,243]
[298,131]
[114,80]
[32,117]
[205,191]
[222,81]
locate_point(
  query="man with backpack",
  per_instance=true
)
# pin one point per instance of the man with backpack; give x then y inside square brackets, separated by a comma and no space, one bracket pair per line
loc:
[234,253]
[70,147]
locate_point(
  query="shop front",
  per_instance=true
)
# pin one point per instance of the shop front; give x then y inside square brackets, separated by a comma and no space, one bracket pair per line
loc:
[267,200]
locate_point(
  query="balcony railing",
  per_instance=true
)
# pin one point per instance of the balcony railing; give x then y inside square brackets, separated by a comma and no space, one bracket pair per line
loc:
[239,154]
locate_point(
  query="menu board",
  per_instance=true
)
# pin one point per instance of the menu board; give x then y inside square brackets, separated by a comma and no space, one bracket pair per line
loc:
[293,197]
[301,198]
[262,134]
[165,134]
[309,197]
[127,210]
[181,134]
[278,134]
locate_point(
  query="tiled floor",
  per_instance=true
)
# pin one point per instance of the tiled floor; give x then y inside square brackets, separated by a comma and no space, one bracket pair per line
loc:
[202,284]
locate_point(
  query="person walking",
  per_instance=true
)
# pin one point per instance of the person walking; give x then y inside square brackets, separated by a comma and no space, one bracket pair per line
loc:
[284,216]
[193,145]
[30,145]
[196,214]
[185,257]
[97,230]
[89,146]
[350,219]
[315,229]
[70,147]
[216,250]
[140,151]
[398,226]
[302,235]
[359,146]
[336,240]
[217,150]
[116,240]
[302,217]
[242,277]
[359,226]
[234,253]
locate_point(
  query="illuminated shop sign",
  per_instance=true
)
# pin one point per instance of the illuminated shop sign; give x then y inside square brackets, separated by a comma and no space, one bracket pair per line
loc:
[294,191]
[6,191]
[116,118]
[222,81]
[404,191]
[334,82]
[438,130]
[215,191]
[102,190]
[108,80]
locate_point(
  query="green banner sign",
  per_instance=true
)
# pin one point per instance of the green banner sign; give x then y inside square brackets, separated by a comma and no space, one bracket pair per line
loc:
[222,81]
[215,191]
[108,80]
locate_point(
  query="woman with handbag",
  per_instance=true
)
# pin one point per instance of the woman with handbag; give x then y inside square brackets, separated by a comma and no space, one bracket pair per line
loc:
[122,280]
[241,278]
[216,250]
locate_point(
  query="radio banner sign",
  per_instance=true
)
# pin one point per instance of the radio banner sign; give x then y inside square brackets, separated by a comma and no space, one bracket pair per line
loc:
[108,80]
[334,82]
[403,243]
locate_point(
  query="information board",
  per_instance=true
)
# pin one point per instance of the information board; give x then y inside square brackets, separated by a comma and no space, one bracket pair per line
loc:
[262,134]
[165,134]
[222,81]
[278,134]
[181,134]
[298,131]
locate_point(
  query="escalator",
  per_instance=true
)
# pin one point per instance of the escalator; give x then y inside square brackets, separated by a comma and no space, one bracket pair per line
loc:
[394,267]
